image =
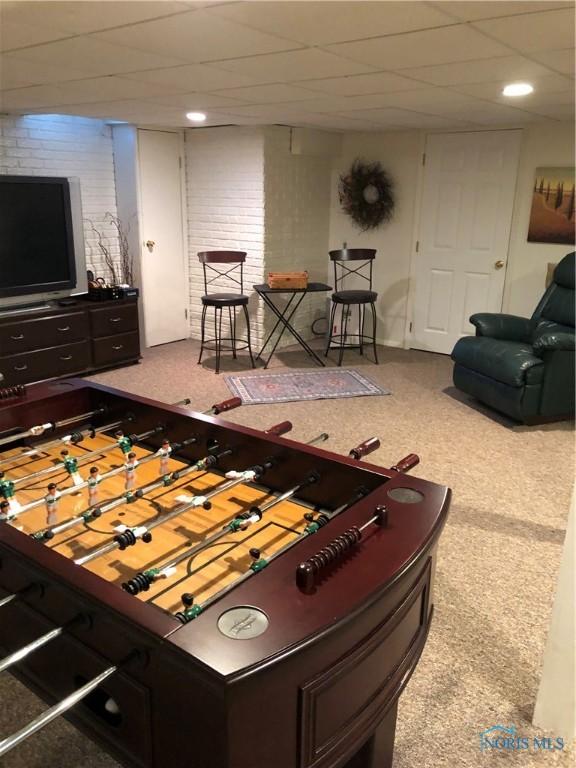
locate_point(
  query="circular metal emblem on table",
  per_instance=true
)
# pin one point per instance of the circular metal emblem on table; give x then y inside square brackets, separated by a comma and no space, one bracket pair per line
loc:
[243,622]
[405,495]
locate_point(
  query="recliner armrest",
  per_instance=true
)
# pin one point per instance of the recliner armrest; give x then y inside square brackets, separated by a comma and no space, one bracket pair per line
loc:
[498,326]
[549,342]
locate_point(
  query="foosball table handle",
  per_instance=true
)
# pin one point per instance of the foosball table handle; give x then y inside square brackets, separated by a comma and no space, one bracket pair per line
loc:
[407,463]
[226,405]
[372,444]
[279,429]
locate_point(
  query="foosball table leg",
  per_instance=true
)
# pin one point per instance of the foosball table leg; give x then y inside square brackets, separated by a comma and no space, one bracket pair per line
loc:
[378,751]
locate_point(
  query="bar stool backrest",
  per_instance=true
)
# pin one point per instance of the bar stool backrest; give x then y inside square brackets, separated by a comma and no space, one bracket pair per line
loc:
[229,275]
[343,270]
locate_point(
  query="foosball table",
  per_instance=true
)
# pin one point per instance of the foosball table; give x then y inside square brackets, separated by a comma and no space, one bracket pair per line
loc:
[198,594]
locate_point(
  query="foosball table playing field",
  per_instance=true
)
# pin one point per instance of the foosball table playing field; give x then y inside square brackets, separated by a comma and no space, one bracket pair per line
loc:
[194,593]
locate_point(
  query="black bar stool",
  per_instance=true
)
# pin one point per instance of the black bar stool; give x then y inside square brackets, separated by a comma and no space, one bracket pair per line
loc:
[346,299]
[231,273]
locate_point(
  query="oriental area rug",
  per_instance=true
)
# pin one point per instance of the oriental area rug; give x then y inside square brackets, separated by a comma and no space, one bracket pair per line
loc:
[261,388]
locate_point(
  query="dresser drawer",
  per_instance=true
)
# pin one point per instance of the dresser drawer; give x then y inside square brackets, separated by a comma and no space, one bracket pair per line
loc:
[113,349]
[46,363]
[42,332]
[109,320]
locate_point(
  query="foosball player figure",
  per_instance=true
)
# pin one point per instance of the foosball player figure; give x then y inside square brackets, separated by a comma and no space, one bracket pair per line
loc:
[7,493]
[71,466]
[130,465]
[51,500]
[93,481]
[4,509]
[124,442]
[164,452]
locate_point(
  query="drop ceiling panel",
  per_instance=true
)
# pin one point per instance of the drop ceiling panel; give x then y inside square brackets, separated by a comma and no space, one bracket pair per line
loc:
[97,56]
[469,10]
[533,31]
[14,36]
[196,36]
[269,93]
[195,77]
[416,49]
[191,102]
[320,23]
[478,71]
[561,61]
[80,17]
[294,66]
[17,72]
[379,82]
[403,118]
[559,112]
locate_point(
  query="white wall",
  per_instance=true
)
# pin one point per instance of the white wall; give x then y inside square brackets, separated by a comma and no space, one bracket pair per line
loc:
[297,220]
[542,146]
[225,196]
[400,154]
[59,145]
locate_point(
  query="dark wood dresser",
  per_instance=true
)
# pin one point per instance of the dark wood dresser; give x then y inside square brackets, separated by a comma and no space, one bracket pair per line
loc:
[60,341]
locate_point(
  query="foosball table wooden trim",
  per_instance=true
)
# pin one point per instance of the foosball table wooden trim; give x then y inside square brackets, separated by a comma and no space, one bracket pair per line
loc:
[359,620]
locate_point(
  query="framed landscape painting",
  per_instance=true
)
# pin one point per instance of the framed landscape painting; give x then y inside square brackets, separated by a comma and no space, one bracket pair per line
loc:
[552,216]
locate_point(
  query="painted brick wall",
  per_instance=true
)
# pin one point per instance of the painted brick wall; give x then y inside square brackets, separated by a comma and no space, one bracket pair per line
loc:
[225,199]
[59,145]
[297,220]
[245,191]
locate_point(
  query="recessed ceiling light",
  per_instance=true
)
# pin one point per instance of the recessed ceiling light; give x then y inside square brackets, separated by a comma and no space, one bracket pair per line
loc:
[196,117]
[517,89]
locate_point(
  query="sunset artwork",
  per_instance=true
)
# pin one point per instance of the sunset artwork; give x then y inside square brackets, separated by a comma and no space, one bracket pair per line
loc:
[552,217]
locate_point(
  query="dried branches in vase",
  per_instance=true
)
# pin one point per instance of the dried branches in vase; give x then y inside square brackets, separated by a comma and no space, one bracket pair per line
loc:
[121,272]
[126,257]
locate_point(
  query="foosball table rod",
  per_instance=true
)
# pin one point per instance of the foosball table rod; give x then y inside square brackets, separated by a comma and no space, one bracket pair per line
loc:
[73,438]
[51,714]
[124,442]
[129,536]
[259,563]
[8,517]
[142,581]
[94,512]
[51,426]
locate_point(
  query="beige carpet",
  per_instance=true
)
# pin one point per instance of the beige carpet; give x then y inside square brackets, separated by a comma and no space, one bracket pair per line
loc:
[498,558]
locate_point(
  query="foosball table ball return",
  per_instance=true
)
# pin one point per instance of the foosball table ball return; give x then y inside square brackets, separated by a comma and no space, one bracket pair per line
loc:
[197,594]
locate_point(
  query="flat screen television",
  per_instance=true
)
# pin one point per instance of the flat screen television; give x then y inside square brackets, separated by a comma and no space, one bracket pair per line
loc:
[42,253]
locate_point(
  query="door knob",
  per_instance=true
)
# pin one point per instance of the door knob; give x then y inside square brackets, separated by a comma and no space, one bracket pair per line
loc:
[499,264]
[150,245]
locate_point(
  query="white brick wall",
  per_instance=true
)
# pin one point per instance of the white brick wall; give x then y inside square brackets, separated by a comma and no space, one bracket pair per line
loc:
[225,198]
[247,192]
[60,145]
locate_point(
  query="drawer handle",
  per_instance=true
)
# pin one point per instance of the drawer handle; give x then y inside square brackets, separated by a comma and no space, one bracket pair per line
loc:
[66,357]
[20,367]
[115,319]
[17,338]
[66,328]
[117,347]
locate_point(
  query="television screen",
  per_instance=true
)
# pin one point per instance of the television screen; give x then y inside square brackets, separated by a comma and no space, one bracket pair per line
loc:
[36,236]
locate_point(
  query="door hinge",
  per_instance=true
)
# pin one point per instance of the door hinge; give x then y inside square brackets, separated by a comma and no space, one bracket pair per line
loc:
[180,163]
[186,314]
[417,246]
[410,327]
[424,158]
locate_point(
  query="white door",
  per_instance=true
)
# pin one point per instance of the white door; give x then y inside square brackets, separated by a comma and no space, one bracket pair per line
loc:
[163,274]
[467,201]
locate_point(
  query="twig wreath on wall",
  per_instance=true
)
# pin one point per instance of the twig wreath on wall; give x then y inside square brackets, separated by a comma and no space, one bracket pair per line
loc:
[367,194]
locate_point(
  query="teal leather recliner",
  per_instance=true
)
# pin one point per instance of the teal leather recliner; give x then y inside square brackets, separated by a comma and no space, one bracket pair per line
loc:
[524,367]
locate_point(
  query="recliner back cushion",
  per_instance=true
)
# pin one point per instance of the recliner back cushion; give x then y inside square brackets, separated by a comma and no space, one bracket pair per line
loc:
[559,308]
